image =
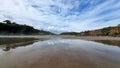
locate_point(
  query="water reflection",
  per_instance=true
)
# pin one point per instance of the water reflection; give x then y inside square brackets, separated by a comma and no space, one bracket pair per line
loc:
[60,53]
[11,43]
[109,42]
[8,47]
[14,40]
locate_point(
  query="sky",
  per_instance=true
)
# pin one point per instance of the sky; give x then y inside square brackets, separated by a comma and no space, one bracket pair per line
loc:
[62,15]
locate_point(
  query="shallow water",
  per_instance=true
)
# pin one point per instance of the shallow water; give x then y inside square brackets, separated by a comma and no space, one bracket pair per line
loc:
[59,53]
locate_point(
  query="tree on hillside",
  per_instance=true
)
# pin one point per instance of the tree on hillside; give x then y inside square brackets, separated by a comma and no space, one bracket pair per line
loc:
[7,21]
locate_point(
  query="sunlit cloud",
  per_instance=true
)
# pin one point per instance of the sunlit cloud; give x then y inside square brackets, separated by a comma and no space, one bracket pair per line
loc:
[62,15]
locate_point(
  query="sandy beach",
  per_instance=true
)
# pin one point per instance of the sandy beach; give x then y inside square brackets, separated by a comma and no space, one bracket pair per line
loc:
[63,36]
[59,51]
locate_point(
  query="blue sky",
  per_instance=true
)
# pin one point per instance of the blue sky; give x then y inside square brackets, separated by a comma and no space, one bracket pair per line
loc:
[62,15]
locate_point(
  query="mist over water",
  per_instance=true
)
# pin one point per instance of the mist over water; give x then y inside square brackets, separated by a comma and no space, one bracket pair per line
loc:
[59,53]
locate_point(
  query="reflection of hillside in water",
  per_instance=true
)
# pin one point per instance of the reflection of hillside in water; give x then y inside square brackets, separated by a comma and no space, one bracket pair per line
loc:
[109,42]
[8,47]
[11,43]
[14,40]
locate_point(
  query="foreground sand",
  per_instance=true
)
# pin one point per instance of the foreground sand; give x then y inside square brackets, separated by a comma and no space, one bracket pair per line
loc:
[60,53]
[64,36]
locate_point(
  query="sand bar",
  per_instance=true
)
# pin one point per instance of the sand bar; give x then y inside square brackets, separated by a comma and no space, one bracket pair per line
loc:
[63,36]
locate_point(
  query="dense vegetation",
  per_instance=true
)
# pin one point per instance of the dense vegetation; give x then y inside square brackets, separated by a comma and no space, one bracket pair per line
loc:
[109,31]
[11,28]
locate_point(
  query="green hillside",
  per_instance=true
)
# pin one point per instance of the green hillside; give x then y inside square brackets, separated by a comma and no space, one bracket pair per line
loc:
[11,28]
[108,31]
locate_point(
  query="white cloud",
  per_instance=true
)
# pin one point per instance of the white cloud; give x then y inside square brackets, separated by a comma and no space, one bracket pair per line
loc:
[62,15]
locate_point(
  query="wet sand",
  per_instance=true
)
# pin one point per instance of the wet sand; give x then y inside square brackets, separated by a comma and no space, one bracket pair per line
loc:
[62,53]
[64,37]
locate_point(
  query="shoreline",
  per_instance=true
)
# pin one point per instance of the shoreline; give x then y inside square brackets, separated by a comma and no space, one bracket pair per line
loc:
[62,36]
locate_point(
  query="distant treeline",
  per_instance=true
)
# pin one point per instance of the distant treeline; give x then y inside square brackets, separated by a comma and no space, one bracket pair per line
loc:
[109,31]
[11,28]
[69,33]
